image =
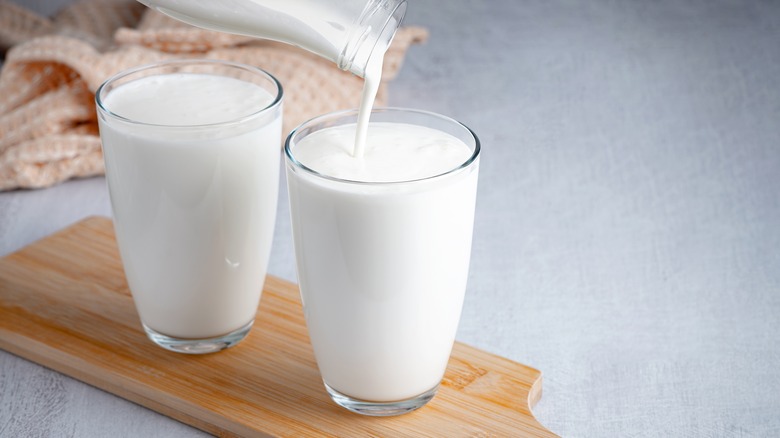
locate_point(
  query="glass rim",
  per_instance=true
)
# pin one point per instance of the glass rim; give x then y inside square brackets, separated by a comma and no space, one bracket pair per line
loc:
[133,70]
[353,112]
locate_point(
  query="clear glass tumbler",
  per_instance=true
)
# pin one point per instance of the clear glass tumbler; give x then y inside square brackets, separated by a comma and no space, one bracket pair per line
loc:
[192,152]
[382,268]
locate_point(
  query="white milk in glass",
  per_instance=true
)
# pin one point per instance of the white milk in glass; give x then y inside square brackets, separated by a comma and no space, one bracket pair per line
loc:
[382,265]
[194,201]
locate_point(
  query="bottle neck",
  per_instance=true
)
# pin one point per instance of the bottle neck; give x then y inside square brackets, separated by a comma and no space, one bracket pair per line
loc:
[372,32]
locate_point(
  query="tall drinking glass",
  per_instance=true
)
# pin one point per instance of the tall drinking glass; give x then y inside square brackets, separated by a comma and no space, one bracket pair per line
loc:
[382,265]
[192,153]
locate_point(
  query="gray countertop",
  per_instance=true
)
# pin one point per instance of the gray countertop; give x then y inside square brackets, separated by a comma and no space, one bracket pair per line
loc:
[627,237]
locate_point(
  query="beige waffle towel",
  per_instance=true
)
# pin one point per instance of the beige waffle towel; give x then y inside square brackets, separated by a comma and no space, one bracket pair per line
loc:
[48,125]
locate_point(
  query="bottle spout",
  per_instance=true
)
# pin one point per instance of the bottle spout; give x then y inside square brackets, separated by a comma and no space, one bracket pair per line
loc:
[371,34]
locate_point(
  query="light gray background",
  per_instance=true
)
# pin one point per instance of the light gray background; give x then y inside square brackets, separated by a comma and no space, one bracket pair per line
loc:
[628,225]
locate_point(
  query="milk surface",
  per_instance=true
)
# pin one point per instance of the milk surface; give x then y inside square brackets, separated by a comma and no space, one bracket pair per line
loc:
[397,152]
[383,267]
[194,205]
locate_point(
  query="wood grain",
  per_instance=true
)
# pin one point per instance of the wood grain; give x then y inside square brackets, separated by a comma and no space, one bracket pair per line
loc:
[64,303]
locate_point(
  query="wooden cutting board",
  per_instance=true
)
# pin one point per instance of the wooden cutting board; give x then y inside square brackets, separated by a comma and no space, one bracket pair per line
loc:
[65,304]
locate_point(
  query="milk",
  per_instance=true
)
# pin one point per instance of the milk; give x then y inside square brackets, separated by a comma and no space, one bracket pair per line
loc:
[194,203]
[382,267]
[279,20]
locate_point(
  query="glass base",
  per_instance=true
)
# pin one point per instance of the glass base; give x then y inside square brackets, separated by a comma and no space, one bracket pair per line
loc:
[198,346]
[381,409]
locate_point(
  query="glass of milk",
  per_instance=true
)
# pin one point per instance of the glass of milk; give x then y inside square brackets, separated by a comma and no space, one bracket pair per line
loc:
[382,245]
[192,150]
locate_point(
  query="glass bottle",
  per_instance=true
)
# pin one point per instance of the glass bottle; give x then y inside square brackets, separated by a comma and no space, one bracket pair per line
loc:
[343,31]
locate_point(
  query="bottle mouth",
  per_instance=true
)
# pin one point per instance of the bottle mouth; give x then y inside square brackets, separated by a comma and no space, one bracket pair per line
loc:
[373,31]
